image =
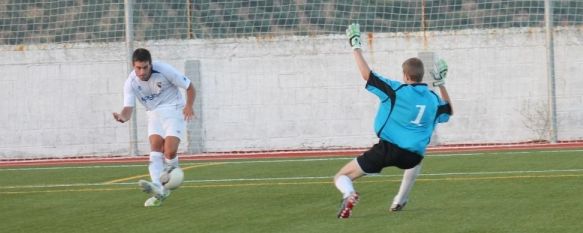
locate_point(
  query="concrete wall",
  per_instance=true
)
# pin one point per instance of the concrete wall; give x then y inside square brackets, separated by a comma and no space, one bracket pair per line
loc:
[295,93]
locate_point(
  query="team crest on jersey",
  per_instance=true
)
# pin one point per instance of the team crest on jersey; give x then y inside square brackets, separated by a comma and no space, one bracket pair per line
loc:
[159,84]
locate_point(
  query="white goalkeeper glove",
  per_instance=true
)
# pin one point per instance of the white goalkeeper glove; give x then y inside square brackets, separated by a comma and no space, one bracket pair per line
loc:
[439,72]
[353,34]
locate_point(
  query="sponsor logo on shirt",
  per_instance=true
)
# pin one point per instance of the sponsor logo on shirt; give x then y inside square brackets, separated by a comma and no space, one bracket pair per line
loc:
[149,97]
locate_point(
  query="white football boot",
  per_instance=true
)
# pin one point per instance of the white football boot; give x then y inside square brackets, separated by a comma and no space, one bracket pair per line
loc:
[158,193]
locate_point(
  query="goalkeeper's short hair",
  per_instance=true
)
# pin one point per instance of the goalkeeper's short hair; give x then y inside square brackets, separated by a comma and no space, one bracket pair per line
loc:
[413,67]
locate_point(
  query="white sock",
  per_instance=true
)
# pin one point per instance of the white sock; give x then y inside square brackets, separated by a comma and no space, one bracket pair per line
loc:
[344,185]
[172,162]
[156,166]
[409,177]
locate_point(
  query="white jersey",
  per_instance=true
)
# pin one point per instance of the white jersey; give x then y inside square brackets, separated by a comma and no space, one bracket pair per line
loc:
[161,90]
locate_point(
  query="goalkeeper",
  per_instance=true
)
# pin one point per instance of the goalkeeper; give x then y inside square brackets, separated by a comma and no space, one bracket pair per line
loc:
[407,115]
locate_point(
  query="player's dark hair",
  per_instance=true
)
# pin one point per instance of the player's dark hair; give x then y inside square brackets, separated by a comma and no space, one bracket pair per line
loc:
[142,55]
[413,67]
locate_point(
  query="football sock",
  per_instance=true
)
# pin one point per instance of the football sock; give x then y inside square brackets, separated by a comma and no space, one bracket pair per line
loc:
[344,185]
[409,177]
[172,162]
[156,166]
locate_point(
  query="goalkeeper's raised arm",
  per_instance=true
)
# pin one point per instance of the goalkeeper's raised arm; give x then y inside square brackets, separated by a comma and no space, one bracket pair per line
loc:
[439,74]
[353,34]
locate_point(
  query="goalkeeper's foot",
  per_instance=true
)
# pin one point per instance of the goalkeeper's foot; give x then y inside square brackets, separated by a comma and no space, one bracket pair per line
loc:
[397,207]
[347,205]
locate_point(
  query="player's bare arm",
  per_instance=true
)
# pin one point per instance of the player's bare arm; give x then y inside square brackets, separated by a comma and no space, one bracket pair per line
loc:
[361,64]
[125,114]
[190,95]
[353,34]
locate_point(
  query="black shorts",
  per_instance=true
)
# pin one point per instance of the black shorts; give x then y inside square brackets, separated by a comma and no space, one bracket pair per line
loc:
[386,154]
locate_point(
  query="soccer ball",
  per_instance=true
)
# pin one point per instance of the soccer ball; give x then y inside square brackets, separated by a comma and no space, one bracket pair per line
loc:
[172,178]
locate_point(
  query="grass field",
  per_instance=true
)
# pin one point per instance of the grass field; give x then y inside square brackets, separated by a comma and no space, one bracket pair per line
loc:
[530,191]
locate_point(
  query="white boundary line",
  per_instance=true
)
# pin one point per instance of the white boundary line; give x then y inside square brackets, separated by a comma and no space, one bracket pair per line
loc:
[275,160]
[292,178]
[181,164]
[64,168]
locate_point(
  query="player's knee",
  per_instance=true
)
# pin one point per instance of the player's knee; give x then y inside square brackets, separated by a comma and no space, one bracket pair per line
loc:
[157,148]
[156,143]
[170,155]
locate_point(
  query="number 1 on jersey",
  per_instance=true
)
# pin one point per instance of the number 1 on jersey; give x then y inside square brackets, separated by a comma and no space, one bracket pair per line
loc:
[417,120]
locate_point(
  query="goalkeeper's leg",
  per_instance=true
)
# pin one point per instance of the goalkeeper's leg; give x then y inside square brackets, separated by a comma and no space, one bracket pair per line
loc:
[343,182]
[402,197]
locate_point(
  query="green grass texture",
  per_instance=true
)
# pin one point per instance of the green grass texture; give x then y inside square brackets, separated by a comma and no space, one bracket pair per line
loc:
[520,191]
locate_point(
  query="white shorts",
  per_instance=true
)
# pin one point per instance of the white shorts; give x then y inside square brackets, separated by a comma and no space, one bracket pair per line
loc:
[168,121]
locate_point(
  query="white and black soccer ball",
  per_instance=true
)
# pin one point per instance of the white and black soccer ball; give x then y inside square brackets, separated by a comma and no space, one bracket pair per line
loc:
[172,178]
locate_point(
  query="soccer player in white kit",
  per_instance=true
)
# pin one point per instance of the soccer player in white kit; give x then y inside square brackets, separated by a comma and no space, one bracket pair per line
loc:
[156,85]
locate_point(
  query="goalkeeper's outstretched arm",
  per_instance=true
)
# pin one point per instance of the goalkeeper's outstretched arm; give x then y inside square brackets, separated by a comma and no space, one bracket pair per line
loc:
[353,34]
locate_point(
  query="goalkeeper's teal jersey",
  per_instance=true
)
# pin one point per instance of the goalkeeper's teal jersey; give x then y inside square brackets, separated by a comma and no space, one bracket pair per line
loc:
[408,113]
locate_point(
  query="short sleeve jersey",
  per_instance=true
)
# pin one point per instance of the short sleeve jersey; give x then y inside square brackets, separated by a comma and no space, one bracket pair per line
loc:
[408,113]
[161,90]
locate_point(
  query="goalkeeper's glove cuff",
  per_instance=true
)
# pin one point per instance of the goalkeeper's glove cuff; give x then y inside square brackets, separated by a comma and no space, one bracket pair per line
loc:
[355,42]
[439,83]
